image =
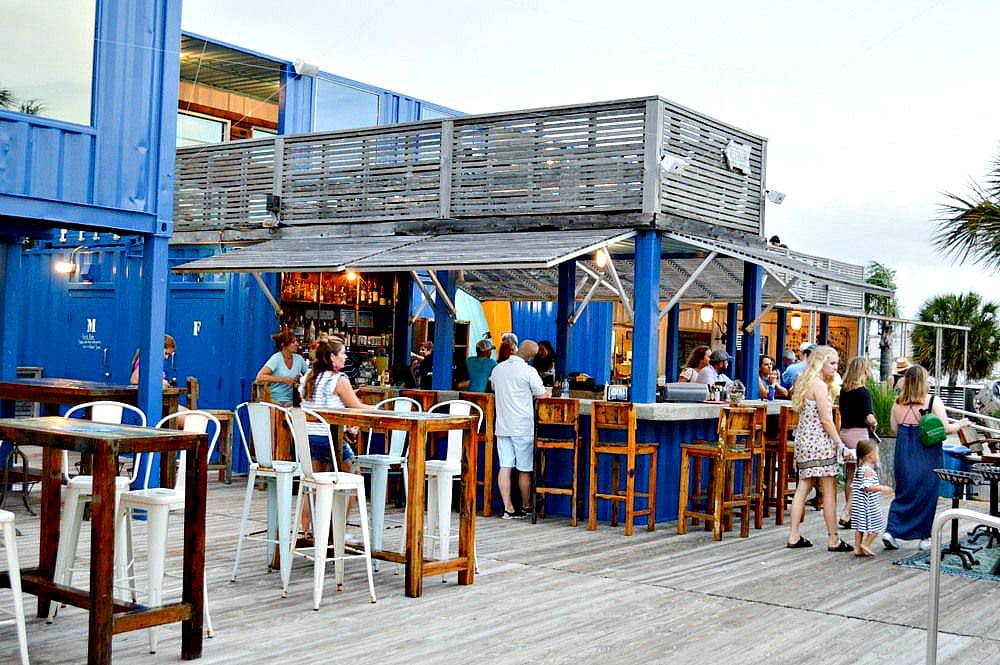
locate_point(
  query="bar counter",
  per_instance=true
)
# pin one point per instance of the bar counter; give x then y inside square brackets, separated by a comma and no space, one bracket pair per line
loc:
[669,423]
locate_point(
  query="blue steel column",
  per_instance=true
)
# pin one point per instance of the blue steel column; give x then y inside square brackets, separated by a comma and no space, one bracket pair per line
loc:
[647,316]
[444,333]
[753,279]
[401,320]
[782,338]
[824,329]
[862,347]
[673,343]
[11,302]
[732,330]
[152,325]
[564,309]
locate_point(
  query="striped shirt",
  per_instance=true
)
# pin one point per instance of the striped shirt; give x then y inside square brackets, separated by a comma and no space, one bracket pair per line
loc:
[324,397]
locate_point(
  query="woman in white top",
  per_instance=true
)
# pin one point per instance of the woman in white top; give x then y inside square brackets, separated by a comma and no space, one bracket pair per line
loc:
[696,362]
[325,387]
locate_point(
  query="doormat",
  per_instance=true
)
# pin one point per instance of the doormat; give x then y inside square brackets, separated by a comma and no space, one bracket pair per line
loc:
[952,565]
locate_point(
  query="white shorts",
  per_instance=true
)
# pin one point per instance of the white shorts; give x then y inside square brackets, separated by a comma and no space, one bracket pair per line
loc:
[516,451]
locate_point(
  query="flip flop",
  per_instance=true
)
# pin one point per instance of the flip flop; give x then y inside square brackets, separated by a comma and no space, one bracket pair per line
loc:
[801,542]
[863,555]
[841,547]
[844,523]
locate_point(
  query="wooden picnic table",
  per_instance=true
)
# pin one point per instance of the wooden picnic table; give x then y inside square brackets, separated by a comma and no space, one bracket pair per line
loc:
[104,442]
[417,427]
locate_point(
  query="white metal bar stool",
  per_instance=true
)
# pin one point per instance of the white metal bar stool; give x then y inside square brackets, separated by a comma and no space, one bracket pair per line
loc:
[79,492]
[14,573]
[159,502]
[378,464]
[329,494]
[442,473]
[278,474]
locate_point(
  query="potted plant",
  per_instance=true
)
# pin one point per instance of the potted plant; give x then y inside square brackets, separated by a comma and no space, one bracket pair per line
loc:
[883,397]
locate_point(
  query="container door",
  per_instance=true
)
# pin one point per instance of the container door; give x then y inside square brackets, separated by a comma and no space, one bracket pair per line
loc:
[195,318]
[91,338]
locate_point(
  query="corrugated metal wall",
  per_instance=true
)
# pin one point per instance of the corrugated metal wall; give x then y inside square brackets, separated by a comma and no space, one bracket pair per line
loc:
[591,348]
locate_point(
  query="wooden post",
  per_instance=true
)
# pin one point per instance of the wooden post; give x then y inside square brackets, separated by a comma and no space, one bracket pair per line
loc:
[193,584]
[102,555]
[413,582]
[48,537]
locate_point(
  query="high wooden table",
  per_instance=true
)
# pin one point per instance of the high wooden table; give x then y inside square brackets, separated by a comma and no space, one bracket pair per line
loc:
[417,427]
[104,443]
[53,393]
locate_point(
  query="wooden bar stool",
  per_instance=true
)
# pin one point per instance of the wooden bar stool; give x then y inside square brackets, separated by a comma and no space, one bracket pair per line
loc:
[737,429]
[225,464]
[620,416]
[486,402]
[758,448]
[779,463]
[550,413]
[425,398]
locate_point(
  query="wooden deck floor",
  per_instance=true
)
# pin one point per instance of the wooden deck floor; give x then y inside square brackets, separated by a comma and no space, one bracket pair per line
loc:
[550,593]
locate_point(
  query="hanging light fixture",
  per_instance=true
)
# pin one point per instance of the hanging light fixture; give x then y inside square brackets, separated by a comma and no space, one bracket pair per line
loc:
[351,275]
[796,321]
[601,258]
[68,267]
[707,313]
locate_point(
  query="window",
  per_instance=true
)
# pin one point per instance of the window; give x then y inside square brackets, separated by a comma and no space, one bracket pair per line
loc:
[340,106]
[48,58]
[430,113]
[261,133]
[199,130]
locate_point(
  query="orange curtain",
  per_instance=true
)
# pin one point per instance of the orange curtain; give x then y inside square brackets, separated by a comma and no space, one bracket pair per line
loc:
[498,318]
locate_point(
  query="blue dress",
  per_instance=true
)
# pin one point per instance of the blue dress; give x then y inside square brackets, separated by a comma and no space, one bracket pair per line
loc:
[912,513]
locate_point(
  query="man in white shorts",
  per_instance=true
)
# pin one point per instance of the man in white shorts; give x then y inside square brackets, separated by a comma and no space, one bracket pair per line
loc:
[516,384]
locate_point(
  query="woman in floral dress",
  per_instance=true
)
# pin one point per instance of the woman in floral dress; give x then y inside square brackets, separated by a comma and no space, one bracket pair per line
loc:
[816,444]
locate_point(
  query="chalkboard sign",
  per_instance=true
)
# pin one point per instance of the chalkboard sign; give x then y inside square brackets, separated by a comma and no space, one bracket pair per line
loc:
[617,393]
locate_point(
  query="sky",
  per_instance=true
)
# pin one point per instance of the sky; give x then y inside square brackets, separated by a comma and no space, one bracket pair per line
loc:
[872,110]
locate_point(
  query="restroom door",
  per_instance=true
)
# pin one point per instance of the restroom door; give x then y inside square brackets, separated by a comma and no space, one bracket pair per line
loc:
[196,319]
[91,338]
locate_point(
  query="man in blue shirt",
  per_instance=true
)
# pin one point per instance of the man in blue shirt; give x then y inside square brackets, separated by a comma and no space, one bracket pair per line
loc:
[792,371]
[480,366]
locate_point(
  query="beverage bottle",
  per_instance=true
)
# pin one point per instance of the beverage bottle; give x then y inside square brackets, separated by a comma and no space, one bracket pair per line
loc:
[381,295]
[770,391]
[565,389]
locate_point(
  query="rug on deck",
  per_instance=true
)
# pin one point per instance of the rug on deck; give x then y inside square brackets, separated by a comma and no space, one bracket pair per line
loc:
[952,564]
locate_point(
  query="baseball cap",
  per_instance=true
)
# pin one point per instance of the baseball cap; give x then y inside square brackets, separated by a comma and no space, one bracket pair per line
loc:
[805,347]
[484,345]
[718,356]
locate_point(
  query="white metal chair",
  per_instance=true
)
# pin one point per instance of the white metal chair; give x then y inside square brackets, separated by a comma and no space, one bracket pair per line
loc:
[442,473]
[378,464]
[278,474]
[14,573]
[79,492]
[329,494]
[159,502]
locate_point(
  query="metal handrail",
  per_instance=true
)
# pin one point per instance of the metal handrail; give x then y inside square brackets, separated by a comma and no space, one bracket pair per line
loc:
[971,414]
[991,432]
[935,572]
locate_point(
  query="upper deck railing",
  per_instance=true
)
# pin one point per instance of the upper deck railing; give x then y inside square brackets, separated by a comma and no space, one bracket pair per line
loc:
[601,159]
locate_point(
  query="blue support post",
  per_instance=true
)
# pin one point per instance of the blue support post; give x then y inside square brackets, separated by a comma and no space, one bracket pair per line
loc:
[11,302]
[152,324]
[564,309]
[444,333]
[753,281]
[824,329]
[647,316]
[732,331]
[401,320]
[862,347]
[673,363]
[782,338]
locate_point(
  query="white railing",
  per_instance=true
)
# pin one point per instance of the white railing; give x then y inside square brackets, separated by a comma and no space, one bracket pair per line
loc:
[933,595]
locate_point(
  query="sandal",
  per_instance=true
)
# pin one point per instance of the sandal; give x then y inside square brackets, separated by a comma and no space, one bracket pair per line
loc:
[844,523]
[801,542]
[841,547]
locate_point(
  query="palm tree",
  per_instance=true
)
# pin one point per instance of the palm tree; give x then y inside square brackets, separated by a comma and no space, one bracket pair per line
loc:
[7,99]
[965,309]
[879,275]
[969,225]
[31,107]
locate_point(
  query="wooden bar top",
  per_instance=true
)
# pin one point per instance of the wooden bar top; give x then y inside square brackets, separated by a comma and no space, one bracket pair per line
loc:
[84,435]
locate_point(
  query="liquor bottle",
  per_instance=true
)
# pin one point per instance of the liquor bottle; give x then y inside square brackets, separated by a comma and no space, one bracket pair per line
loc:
[311,333]
[381,295]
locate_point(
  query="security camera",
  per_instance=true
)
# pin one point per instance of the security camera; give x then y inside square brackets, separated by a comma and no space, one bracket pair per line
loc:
[775,197]
[672,163]
[303,68]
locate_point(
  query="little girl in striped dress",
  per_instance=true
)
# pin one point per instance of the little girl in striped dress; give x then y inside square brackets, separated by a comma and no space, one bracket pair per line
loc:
[867,519]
